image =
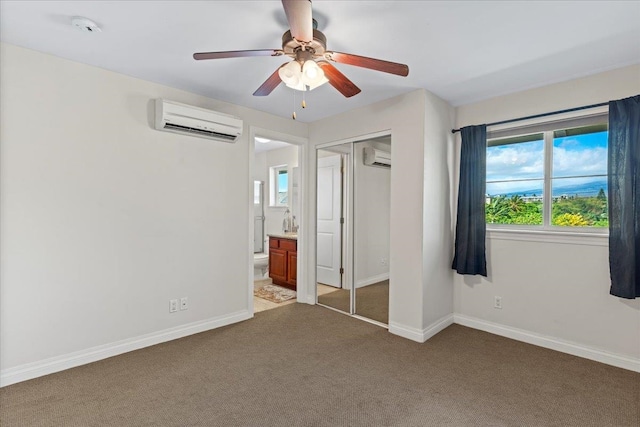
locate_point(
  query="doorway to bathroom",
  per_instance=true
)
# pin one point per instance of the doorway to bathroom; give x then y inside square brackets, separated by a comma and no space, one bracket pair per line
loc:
[277,216]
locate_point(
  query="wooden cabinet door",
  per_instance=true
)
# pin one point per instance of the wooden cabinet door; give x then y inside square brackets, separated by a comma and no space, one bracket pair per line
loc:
[278,264]
[274,242]
[292,271]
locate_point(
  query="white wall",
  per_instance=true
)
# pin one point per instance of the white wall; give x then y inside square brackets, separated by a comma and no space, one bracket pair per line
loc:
[372,208]
[406,117]
[437,238]
[261,171]
[553,294]
[104,219]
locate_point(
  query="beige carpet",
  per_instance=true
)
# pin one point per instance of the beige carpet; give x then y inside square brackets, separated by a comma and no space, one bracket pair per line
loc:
[274,293]
[302,365]
[372,301]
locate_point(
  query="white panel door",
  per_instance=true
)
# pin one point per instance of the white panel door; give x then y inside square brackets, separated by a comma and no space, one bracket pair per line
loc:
[328,238]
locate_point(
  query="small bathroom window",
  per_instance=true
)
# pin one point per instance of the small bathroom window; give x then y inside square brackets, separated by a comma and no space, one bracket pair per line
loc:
[279,186]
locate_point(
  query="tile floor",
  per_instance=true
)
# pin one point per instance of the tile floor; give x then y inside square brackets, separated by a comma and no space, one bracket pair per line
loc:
[324,289]
[260,304]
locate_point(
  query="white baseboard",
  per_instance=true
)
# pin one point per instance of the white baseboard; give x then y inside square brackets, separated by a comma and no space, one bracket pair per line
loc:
[373,279]
[552,343]
[420,335]
[60,363]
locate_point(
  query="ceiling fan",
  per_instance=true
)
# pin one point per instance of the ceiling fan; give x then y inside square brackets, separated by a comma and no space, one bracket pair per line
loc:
[310,67]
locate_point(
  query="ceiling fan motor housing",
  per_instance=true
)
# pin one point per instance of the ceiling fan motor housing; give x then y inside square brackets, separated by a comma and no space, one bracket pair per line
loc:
[317,46]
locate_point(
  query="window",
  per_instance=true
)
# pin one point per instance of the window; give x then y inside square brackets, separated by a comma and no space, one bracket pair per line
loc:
[515,180]
[279,186]
[549,176]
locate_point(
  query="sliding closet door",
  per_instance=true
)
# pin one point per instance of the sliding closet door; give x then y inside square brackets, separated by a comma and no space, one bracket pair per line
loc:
[353,223]
[372,204]
[332,271]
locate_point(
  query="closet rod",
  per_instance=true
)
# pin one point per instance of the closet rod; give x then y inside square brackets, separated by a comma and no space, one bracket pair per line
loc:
[568,110]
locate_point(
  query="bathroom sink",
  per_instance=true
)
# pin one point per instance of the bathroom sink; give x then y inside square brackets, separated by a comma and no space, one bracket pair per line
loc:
[293,236]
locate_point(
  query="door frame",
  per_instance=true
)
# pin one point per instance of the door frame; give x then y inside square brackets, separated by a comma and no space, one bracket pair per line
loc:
[303,210]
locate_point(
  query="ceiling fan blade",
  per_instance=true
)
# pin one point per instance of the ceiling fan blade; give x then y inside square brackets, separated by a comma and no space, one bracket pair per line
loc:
[371,63]
[270,84]
[237,54]
[339,80]
[300,20]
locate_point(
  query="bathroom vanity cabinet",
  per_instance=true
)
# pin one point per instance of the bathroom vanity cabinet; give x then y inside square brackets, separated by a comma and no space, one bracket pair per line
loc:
[283,261]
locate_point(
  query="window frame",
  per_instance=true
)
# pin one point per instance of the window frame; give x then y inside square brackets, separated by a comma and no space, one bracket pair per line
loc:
[274,173]
[547,231]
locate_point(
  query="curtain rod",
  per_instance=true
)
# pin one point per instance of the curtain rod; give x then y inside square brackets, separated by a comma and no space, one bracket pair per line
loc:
[568,110]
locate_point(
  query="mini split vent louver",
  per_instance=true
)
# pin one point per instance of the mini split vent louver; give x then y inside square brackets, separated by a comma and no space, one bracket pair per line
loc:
[375,157]
[193,121]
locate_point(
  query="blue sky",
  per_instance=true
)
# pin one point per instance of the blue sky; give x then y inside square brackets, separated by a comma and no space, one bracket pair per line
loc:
[283,182]
[572,156]
[581,155]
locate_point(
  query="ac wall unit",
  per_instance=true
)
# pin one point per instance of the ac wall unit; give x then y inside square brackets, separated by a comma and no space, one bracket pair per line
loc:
[375,157]
[188,120]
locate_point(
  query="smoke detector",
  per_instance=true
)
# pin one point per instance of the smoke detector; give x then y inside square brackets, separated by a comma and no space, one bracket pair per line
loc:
[84,24]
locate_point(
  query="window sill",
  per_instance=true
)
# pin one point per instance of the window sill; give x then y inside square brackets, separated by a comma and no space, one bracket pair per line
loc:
[588,238]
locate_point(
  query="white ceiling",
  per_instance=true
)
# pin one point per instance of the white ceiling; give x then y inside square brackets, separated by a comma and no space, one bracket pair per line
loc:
[268,145]
[461,51]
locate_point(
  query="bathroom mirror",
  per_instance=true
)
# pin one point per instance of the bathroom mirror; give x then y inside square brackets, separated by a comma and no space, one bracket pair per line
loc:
[295,193]
[333,248]
[258,216]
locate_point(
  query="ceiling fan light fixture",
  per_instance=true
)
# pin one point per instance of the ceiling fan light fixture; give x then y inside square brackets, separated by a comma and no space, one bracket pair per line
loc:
[298,77]
[291,74]
[312,75]
[310,70]
[298,86]
[319,82]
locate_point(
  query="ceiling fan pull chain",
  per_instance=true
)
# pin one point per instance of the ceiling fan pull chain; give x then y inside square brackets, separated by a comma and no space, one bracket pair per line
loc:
[304,103]
[293,116]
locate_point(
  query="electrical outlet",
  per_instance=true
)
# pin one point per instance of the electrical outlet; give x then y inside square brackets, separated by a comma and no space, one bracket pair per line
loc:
[184,303]
[497,302]
[173,305]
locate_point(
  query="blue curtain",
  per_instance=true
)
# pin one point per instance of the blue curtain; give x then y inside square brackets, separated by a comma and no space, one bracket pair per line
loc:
[471,229]
[624,197]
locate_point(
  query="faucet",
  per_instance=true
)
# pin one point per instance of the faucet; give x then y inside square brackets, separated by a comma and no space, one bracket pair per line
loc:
[286,222]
